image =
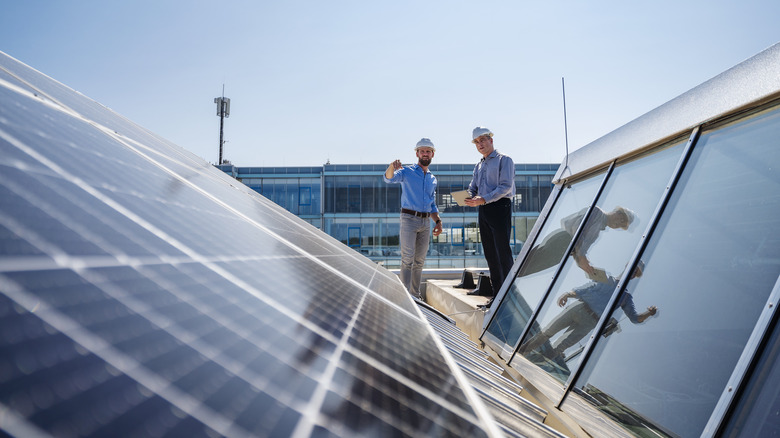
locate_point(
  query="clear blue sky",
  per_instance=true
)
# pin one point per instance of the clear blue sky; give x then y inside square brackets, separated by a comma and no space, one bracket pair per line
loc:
[361,81]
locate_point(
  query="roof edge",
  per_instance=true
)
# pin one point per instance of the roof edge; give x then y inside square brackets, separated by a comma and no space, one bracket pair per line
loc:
[753,80]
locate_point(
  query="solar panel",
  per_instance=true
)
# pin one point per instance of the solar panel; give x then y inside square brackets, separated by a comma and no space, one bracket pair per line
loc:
[145,293]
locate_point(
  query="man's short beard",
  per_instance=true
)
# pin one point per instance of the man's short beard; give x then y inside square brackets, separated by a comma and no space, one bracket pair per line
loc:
[424,162]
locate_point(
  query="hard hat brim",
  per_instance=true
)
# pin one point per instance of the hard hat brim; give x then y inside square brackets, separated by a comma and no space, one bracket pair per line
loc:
[489,134]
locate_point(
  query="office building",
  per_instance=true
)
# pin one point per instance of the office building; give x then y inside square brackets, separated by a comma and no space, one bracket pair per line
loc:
[352,203]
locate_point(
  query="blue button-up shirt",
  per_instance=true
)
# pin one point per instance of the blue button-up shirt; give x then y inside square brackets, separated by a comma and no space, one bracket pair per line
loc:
[596,296]
[418,188]
[494,178]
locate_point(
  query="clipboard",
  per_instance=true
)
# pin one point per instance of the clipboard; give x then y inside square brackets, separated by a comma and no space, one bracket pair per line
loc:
[460,197]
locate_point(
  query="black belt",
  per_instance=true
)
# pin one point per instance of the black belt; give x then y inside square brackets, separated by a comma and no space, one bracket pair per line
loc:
[414,213]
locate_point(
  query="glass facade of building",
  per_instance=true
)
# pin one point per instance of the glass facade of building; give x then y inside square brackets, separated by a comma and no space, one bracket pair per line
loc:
[352,203]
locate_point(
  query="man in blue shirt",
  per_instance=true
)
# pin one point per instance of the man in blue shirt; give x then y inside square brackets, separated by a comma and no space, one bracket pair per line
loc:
[491,189]
[418,204]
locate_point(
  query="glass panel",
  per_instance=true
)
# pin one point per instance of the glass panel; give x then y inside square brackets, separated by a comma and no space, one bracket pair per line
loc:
[291,195]
[393,198]
[304,196]
[369,240]
[341,193]
[457,236]
[391,241]
[330,194]
[758,412]
[369,186]
[353,197]
[442,244]
[534,277]
[443,198]
[593,269]
[472,240]
[380,196]
[309,196]
[345,230]
[390,235]
[354,237]
[521,226]
[446,185]
[709,268]
[285,192]
[527,193]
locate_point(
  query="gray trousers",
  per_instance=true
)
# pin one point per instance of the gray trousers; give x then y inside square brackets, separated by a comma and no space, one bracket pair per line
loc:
[415,237]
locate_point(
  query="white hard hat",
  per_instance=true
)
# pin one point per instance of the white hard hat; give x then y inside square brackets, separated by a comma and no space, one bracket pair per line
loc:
[425,143]
[479,131]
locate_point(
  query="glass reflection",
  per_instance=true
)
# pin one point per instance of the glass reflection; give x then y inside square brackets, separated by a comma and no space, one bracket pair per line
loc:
[710,266]
[575,323]
[594,267]
[549,253]
[529,286]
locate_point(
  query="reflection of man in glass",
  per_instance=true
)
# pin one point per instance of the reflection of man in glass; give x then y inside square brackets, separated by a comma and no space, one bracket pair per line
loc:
[579,319]
[549,252]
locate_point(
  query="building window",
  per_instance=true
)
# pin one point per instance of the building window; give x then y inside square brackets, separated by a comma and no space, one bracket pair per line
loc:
[353,198]
[458,236]
[526,193]
[304,196]
[353,237]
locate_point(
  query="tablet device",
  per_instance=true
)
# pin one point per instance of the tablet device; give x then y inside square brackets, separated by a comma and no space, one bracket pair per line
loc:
[460,197]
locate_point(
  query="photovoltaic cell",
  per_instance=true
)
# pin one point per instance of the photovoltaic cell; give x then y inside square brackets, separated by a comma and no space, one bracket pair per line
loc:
[145,293]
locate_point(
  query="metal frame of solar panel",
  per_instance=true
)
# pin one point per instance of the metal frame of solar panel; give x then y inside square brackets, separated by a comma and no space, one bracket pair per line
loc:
[145,293]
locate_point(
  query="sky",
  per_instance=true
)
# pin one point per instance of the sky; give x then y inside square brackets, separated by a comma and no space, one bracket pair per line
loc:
[361,81]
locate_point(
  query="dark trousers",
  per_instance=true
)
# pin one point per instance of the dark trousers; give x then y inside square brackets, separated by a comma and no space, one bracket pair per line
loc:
[495,227]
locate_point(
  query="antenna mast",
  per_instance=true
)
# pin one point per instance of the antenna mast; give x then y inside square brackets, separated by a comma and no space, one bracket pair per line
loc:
[223,110]
[565,125]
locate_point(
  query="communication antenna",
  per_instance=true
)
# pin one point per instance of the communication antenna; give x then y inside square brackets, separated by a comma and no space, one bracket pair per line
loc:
[223,110]
[565,125]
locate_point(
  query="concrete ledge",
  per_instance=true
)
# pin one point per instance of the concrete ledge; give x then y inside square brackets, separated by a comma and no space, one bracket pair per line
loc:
[455,303]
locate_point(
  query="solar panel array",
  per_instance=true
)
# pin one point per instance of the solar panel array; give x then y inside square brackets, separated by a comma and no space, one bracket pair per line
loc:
[145,293]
